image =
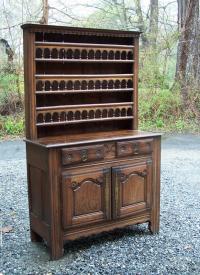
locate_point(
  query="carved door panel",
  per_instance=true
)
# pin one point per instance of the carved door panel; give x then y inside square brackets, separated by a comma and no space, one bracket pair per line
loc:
[86,196]
[131,188]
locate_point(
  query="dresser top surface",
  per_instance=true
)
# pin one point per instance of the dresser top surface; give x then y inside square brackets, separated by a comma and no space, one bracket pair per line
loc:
[80,139]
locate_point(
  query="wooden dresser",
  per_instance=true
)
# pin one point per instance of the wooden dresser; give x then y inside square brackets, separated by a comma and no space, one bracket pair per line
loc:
[89,168]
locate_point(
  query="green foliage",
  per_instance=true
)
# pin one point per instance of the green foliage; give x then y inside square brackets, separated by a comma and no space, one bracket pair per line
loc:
[161,110]
[12,125]
[11,95]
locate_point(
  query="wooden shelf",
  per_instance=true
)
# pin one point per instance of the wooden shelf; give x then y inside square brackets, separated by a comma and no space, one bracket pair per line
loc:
[82,45]
[52,115]
[91,91]
[83,76]
[83,121]
[83,106]
[84,60]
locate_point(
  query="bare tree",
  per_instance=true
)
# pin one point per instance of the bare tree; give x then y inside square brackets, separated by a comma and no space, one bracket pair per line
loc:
[188,56]
[45,11]
[153,21]
[141,22]
[182,8]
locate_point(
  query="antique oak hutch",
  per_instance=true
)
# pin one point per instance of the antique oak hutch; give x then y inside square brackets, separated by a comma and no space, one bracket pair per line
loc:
[89,168]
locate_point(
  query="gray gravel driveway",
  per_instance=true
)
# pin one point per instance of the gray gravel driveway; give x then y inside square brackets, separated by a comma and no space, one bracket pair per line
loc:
[133,250]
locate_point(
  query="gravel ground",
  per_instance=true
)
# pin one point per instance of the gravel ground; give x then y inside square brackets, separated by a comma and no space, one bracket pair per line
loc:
[175,250]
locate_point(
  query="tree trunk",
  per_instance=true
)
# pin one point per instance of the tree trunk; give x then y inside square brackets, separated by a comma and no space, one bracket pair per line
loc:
[182,8]
[188,56]
[45,10]
[153,23]
[141,23]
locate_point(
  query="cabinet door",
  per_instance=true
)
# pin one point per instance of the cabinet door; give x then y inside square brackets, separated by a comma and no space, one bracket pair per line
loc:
[131,188]
[86,196]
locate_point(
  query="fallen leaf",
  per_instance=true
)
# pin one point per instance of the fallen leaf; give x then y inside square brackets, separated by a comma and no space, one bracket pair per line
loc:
[188,247]
[6,229]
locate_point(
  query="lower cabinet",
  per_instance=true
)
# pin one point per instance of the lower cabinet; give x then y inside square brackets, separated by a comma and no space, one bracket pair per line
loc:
[100,194]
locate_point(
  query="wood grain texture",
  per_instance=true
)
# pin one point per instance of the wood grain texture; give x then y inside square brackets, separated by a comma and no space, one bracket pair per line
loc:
[56,241]
[155,213]
[131,188]
[86,196]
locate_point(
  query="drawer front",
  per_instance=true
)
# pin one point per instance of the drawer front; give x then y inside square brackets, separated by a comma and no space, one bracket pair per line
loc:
[134,147]
[82,154]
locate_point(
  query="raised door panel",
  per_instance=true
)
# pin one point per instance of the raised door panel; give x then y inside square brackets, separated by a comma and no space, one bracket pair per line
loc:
[131,188]
[86,197]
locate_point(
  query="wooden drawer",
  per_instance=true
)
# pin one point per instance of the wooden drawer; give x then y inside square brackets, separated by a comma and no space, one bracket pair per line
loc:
[134,147]
[82,154]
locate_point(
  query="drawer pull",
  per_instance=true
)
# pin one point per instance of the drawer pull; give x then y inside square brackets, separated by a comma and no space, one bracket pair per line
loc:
[84,155]
[135,149]
[123,148]
[98,153]
[69,157]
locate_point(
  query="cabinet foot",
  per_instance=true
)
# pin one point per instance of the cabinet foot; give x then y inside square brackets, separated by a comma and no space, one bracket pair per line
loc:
[35,237]
[56,252]
[154,228]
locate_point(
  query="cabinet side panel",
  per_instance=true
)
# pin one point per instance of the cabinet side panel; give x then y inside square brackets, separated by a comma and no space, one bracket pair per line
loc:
[56,241]
[155,214]
[135,83]
[29,84]
[38,190]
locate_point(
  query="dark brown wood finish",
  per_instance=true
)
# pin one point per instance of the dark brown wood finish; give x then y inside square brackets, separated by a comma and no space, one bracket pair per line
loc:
[89,169]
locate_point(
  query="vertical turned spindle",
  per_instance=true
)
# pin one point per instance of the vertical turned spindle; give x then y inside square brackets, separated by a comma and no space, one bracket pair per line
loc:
[42,53]
[65,85]
[43,118]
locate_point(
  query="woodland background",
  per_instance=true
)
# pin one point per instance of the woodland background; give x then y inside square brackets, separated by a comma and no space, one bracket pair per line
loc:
[169,80]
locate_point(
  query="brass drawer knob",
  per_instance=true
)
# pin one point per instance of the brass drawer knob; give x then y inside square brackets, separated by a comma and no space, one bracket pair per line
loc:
[98,153]
[69,157]
[123,148]
[84,155]
[135,149]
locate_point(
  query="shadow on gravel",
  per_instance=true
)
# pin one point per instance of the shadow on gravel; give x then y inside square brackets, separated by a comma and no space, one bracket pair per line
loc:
[112,236]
